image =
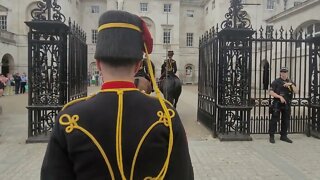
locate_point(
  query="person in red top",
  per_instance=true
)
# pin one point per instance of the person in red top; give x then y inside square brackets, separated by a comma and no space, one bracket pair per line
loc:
[119,133]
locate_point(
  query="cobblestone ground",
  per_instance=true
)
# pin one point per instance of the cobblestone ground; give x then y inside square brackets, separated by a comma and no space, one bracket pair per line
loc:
[211,158]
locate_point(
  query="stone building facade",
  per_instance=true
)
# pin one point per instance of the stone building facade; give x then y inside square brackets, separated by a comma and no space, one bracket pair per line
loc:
[175,25]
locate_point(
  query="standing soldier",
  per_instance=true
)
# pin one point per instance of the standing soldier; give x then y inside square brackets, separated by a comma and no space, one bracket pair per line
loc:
[169,66]
[120,132]
[281,90]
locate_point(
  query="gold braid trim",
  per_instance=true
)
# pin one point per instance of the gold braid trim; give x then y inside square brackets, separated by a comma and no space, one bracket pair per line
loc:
[71,123]
[162,120]
[119,25]
[165,117]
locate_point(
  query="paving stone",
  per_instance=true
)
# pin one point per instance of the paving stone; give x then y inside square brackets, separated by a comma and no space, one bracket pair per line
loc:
[212,159]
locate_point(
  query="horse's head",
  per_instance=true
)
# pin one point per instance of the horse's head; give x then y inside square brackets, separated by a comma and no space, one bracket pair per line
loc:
[143,84]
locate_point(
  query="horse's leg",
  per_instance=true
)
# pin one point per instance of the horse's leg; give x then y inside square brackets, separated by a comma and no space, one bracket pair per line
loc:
[175,102]
[178,89]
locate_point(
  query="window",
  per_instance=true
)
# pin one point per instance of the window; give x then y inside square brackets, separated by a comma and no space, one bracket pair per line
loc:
[94,9]
[296,3]
[189,39]
[167,8]
[143,7]
[213,4]
[317,27]
[270,4]
[310,30]
[285,4]
[94,36]
[3,23]
[190,13]
[166,36]
[269,30]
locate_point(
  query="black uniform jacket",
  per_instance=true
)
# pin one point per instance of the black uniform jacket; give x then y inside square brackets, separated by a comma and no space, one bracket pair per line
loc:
[286,92]
[170,65]
[73,155]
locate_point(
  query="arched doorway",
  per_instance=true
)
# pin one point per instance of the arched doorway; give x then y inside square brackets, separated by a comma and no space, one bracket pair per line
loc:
[7,64]
[189,74]
[93,68]
[94,75]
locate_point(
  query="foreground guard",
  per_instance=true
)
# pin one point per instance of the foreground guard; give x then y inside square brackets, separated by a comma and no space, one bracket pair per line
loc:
[119,133]
[282,90]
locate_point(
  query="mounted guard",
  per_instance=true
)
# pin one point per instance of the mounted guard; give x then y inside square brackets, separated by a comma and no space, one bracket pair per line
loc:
[170,85]
[169,66]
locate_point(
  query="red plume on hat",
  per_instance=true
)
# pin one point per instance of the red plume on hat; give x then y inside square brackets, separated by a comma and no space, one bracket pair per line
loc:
[147,38]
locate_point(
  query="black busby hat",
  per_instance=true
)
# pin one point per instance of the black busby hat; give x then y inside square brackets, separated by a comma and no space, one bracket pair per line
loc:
[121,35]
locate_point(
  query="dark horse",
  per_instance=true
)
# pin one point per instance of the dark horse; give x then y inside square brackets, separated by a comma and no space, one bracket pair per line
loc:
[171,88]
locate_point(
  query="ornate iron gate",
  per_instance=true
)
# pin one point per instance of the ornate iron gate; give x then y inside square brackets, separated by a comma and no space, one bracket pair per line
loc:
[225,69]
[50,69]
[314,86]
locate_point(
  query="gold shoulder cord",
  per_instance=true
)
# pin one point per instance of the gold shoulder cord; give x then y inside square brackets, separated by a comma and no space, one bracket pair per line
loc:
[165,117]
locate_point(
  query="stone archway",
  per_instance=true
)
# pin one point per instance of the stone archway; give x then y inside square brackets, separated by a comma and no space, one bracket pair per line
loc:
[93,68]
[7,64]
[189,73]
[310,28]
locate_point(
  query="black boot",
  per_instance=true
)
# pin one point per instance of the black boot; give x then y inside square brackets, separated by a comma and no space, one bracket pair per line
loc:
[271,139]
[285,139]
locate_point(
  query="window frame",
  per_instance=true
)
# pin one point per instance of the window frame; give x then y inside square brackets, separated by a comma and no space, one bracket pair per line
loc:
[271,4]
[269,29]
[189,39]
[4,22]
[190,13]
[95,9]
[168,9]
[94,36]
[166,36]
[146,7]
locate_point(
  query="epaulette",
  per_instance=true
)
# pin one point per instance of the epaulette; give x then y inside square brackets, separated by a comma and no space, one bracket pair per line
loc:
[76,101]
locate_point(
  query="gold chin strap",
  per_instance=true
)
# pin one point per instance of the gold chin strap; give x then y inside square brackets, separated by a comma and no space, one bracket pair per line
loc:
[118,25]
